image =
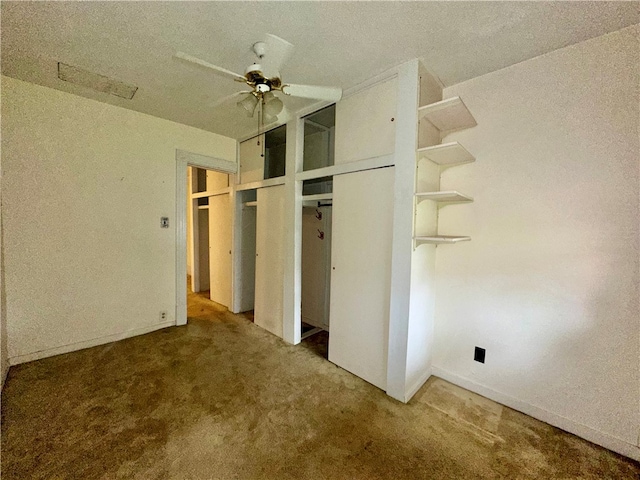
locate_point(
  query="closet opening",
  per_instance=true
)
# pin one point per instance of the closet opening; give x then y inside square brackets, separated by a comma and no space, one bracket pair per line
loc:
[319,129]
[247,220]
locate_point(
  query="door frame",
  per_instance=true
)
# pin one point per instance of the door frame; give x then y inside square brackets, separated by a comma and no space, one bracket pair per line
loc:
[186,159]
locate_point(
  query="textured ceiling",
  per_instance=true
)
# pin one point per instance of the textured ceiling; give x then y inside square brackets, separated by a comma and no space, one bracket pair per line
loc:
[337,43]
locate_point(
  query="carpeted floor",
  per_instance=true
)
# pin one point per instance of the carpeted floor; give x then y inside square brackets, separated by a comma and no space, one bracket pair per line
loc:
[223,399]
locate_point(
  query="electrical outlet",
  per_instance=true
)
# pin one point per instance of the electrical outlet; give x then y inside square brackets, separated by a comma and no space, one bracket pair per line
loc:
[163,315]
[478,355]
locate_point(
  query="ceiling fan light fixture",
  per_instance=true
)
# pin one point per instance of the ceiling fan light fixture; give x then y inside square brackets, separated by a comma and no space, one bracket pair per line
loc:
[249,104]
[272,104]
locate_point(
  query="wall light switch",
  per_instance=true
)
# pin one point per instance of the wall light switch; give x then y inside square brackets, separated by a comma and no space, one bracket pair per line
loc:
[164,222]
[479,354]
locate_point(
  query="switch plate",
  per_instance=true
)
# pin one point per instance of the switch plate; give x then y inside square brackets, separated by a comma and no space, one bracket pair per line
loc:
[164,222]
[478,355]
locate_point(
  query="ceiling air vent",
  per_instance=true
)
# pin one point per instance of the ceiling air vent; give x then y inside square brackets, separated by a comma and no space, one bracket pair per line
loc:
[99,83]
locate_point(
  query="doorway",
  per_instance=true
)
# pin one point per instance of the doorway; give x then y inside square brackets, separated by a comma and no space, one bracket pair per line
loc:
[224,168]
[209,233]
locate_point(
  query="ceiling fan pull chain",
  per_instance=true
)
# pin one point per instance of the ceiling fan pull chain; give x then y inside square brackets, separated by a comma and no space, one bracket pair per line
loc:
[261,126]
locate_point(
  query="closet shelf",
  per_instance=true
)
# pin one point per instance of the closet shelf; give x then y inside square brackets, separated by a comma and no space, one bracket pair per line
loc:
[250,204]
[203,207]
[446,154]
[448,196]
[317,197]
[439,239]
[448,115]
[214,193]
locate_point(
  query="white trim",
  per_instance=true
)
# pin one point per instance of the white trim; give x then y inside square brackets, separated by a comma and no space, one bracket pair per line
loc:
[357,166]
[292,295]
[269,182]
[313,108]
[600,438]
[406,141]
[204,161]
[181,239]
[417,386]
[72,347]
[372,81]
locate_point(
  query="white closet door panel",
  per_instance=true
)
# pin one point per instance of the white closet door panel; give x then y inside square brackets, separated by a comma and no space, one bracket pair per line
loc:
[251,161]
[362,228]
[270,227]
[220,249]
[364,125]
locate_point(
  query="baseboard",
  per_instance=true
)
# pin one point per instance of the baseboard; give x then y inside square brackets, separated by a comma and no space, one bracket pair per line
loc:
[416,386]
[72,347]
[599,438]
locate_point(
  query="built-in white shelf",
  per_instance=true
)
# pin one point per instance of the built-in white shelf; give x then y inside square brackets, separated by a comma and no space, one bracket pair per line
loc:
[260,184]
[448,196]
[446,154]
[221,191]
[203,207]
[317,197]
[250,204]
[439,239]
[448,115]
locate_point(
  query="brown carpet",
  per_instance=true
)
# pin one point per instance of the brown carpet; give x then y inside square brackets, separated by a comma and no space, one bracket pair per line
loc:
[223,399]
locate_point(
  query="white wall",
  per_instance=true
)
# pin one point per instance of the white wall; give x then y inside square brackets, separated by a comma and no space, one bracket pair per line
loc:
[85,185]
[549,282]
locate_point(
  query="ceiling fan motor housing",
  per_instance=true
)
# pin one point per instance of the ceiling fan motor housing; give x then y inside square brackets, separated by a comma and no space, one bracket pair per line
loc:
[256,79]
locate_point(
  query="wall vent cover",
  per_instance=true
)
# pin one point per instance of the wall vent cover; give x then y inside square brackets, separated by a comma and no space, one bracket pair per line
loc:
[99,83]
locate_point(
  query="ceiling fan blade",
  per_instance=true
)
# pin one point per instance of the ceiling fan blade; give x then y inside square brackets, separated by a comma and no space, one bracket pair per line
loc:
[219,70]
[277,51]
[329,94]
[227,99]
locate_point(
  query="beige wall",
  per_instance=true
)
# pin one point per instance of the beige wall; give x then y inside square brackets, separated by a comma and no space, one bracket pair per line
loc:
[85,185]
[549,282]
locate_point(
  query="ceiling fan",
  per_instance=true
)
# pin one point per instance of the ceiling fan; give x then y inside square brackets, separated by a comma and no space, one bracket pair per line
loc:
[264,79]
